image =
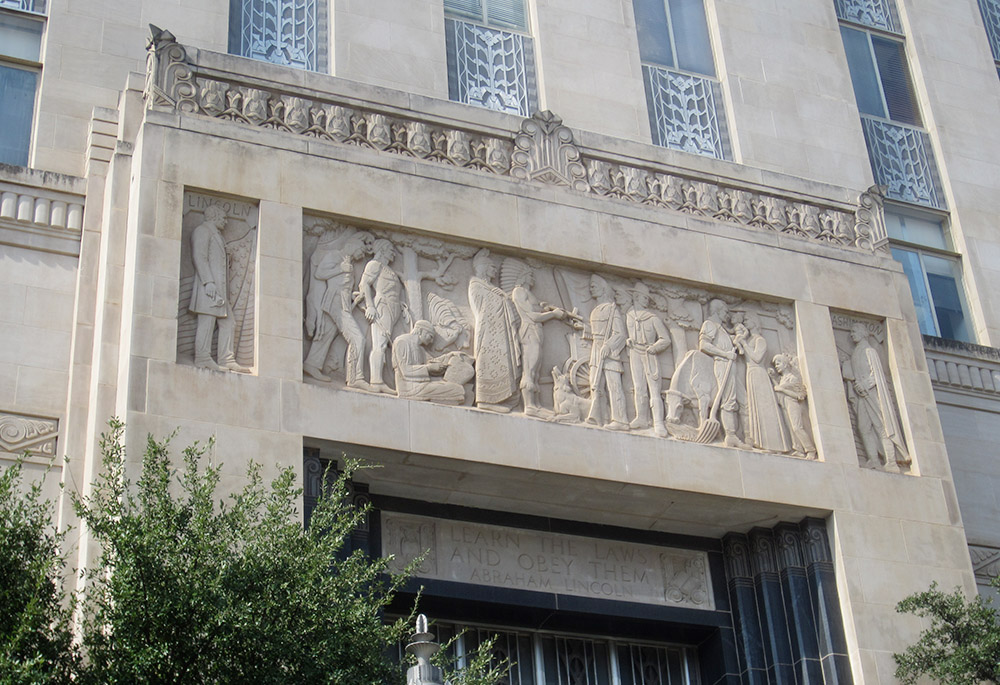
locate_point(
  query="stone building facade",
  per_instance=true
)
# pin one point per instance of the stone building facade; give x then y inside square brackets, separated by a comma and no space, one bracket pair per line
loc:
[672,324]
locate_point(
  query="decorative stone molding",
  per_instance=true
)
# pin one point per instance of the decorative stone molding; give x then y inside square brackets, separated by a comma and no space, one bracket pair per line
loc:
[965,367]
[41,218]
[423,319]
[21,433]
[542,151]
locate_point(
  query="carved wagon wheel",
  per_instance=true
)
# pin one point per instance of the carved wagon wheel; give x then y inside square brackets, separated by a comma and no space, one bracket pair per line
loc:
[579,375]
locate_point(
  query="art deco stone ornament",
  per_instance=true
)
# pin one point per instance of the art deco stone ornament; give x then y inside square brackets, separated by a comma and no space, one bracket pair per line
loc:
[510,335]
[870,395]
[217,284]
[544,151]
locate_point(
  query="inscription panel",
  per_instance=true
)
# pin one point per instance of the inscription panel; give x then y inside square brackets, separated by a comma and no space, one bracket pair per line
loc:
[540,561]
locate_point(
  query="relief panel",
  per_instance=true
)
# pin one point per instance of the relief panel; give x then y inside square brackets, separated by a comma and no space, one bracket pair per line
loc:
[415,317]
[215,328]
[871,397]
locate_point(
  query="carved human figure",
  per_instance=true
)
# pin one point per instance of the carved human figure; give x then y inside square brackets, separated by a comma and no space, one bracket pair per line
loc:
[329,306]
[647,337]
[495,346]
[878,423]
[414,370]
[715,341]
[609,336]
[533,315]
[791,392]
[209,297]
[764,429]
[382,292]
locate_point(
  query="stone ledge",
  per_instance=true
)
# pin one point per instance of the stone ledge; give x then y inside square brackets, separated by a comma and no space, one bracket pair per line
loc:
[963,366]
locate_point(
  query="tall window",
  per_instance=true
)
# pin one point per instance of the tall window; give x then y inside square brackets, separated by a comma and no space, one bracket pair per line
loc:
[21,27]
[288,32]
[491,59]
[922,244]
[898,146]
[990,9]
[682,93]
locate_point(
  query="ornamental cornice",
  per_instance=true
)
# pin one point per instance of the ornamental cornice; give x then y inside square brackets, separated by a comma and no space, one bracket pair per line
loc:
[541,151]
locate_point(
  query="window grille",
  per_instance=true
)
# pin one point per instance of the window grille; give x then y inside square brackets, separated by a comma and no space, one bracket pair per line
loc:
[878,14]
[653,665]
[490,68]
[684,112]
[990,9]
[36,6]
[279,31]
[902,159]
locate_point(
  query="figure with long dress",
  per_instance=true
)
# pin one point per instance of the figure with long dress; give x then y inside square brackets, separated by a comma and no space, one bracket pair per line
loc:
[764,428]
[792,393]
[495,345]
[878,423]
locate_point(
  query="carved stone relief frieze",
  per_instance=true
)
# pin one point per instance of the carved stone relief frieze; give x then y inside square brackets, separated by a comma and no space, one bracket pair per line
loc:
[871,397]
[21,433]
[215,316]
[423,319]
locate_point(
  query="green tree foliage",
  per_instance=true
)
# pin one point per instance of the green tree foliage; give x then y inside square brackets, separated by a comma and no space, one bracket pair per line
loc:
[193,590]
[35,641]
[962,644]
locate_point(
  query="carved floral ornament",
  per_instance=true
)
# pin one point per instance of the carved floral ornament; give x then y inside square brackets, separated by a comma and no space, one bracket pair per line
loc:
[542,151]
[428,320]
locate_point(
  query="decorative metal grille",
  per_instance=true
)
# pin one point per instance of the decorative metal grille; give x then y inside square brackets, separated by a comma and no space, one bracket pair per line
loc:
[652,665]
[491,68]
[37,6]
[878,14]
[902,159]
[577,662]
[280,31]
[684,112]
[990,9]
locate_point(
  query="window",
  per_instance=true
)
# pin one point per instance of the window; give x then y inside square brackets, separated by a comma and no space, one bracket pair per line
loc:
[921,243]
[990,9]
[682,94]
[491,59]
[544,658]
[898,147]
[20,67]
[287,32]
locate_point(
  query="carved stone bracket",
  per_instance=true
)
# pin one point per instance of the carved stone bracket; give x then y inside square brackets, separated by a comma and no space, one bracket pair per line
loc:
[544,151]
[20,433]
[169,76]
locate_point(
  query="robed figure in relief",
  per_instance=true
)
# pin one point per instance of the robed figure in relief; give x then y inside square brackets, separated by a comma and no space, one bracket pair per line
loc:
[878,423]
[764,428]
[495,345]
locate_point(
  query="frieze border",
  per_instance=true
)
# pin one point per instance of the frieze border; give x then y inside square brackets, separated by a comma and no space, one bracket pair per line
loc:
[542,151]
